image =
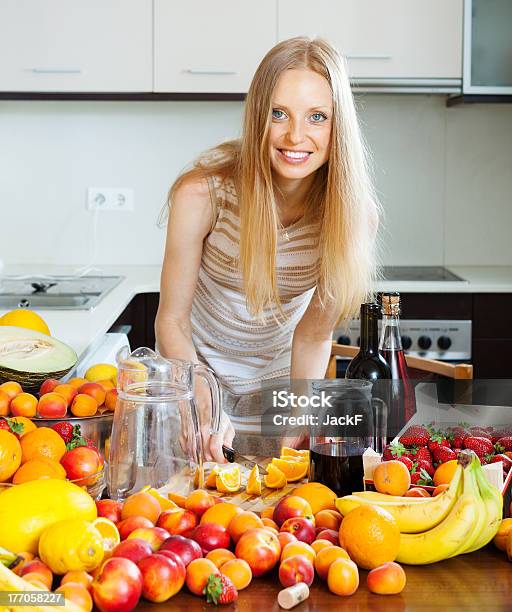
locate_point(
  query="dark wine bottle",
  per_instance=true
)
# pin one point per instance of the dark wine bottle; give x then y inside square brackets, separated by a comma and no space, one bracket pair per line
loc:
[402,400]
[369,364]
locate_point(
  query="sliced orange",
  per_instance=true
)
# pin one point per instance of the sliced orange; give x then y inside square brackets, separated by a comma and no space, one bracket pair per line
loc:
[177,499]
[293,470]
[211,480]
[165,503]
[228,480]
[286,451]
[108,532]
[275,479]
[254,482]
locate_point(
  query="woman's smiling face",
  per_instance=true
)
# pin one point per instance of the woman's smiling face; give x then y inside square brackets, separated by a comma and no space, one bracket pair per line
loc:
[300,133]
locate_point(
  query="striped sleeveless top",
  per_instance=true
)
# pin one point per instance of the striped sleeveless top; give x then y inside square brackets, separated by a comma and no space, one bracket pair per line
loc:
[241,350]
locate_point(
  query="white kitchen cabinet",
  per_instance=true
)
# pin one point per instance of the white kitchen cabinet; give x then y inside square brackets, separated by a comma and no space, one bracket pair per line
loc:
[202,46]
[393,40]
[76,45]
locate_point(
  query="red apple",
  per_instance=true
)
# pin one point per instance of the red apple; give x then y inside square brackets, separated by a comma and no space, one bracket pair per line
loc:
[134,549]
[291,506]
[301,528]
[260,548]
[177,521]
[185,548]
[296,569]
[162,576]
[153,535]
[329,534]
[118,586]
[130,524]
[48,386]
[210,536]
[110,509]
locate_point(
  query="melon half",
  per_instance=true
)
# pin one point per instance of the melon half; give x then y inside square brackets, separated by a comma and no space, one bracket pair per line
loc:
[29,357]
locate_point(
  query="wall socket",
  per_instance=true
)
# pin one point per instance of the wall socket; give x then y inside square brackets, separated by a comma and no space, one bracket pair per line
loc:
[109,198]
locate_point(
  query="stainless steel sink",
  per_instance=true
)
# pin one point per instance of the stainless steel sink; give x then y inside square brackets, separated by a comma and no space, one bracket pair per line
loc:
[55,293]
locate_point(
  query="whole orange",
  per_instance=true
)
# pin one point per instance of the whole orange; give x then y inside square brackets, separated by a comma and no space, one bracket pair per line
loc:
[391,477]
[444,473]
[10,454]
[370,535]
[42,442]
[318,495]
[343,577]
[24,404]
[141,504]
[35,469]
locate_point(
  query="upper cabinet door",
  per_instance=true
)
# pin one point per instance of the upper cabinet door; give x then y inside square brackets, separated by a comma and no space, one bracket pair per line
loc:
[392,39]
[76,45]
[208,47]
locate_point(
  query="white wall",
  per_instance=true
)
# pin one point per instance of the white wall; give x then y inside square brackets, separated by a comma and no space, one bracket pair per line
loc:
[443,175]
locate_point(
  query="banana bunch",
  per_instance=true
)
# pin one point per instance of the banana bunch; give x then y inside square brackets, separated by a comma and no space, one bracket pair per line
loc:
[460,520]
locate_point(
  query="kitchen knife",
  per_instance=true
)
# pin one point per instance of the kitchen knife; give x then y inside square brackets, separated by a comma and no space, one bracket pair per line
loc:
[233,456]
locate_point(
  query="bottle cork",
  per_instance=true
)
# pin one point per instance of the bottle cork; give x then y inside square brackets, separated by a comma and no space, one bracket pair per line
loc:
[293,595]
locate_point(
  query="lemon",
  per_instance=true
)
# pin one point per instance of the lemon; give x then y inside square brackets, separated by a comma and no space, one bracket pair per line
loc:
[71,545]
[28,319]
[101,371]
[108,531]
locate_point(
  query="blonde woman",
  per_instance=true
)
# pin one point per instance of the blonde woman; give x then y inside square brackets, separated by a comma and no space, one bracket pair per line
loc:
[270,238]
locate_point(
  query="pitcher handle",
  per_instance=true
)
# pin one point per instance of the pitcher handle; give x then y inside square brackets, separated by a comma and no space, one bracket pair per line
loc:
[380,424]
[209,376]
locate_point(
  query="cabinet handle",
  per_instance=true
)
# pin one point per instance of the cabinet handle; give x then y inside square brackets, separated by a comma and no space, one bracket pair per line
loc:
[54,70]
[215,72]
[369,57]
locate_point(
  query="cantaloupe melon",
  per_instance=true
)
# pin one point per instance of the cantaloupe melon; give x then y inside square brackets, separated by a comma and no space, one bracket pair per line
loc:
[29,357]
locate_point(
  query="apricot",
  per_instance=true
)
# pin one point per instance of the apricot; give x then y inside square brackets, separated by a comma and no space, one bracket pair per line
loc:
[242,522]
[319,545]
[95,390]
[238,571]
[285,537]
[298,548]
[52,405]
[328,519]
[48,385]
[67,391]
[111,399]
[391,477]
[219,556]
[84,405]
[37,568]
[198,571]
[24,404]
[141,504]
[387,579]
[270,523]
[267,512]
[500,539]
[78,577]
[12,388]
[5,400]
[326,557]
[343,577]
[76,593]
[199,501]
[77,382]
[106,384]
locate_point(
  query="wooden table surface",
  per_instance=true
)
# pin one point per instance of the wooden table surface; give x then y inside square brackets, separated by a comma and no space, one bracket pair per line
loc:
[479,581]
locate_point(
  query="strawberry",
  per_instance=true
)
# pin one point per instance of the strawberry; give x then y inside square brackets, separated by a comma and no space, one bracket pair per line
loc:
[458,437]
[505,443]
[395,450]
[507,461]
[12,426]
[406,461]
[64,429]
[220,590]
[415,436]
[481,446]
[444,454]
[424,454]
[427,466]
[420,476]
[480,432]
[437,439]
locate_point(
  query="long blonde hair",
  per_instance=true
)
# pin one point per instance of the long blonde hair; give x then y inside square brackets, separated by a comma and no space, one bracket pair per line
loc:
[341,200]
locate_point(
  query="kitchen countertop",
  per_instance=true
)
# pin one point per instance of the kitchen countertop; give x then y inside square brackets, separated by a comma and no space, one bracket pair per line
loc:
[82,328]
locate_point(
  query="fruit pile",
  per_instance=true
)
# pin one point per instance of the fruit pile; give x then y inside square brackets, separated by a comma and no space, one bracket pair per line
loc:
[423,448]
[82,396]
[461,519]
[291,466]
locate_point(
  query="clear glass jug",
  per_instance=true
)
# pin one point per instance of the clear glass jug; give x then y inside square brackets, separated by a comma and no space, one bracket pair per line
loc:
[156,433]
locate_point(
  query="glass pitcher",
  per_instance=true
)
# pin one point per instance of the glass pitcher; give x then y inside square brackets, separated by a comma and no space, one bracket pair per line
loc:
[353,422]
[156,434]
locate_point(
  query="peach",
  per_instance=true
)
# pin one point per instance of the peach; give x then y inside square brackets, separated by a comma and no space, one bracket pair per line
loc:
[111,399]
[197,574]
[12,388]
[387,579]
[302,528]
[142,504]
[343,577]
[319,545]
[285,537]
[219,556]
[24,404]
[36,566]
[84,405]
[52,406]
[327,556]
[24,558]
[261,550]
[94,390]
[118,586]
[77,577]
[48,386]
[328,519]
[134,549]
[162,576]
[67,391]
[109,508]
[199,501]
[291,506]
[296,569]
[35,580]
[186,549]
[298,548]
[76,593]
[238,571]
[242,522]
[130,524]
[392,477]
[155,536]
[210,536]
[329,534]
[178,521]
[500,539]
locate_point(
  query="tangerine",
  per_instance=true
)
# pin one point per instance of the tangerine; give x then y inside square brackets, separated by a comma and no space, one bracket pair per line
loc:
[35,469]
[42,442]
[24,404]
[10,454]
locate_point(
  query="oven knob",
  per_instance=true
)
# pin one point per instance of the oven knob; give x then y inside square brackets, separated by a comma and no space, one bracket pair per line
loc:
[424,342]
[406,343]
[344,340]
[444,343]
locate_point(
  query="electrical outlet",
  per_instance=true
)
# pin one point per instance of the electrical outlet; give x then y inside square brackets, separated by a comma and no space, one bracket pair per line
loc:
[109,198]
